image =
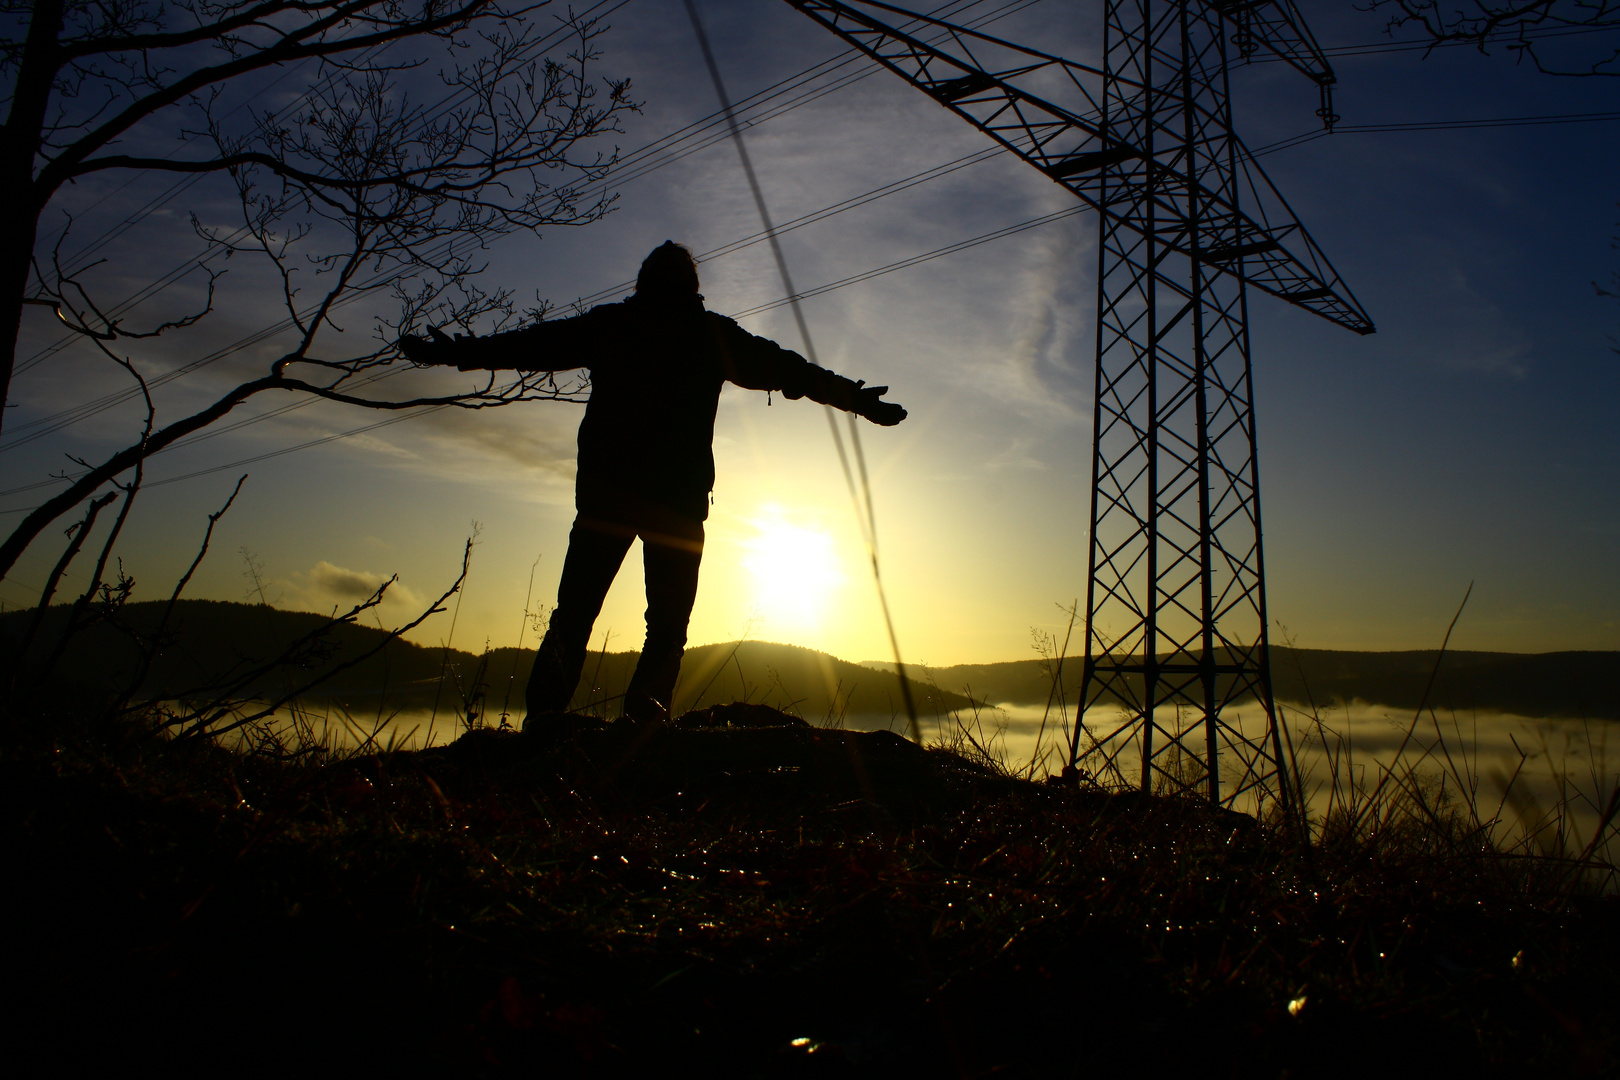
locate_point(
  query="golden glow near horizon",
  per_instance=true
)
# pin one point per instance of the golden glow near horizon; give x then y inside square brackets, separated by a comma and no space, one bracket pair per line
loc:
[794,569]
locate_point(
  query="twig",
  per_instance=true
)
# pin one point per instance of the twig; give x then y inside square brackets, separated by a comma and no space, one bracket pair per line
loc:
[77,533]
[156,640]
[1422,702]
[511,678]
[204,724]
[444,660]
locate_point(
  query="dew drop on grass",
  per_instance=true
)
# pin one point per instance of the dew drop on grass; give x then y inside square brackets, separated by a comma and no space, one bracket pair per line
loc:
[1296,1006]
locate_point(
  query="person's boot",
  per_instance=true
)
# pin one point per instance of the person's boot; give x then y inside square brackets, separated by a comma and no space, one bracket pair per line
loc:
[644,710]
[652,684]
[547,694]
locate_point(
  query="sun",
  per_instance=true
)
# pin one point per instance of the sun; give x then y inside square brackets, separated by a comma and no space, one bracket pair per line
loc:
[796,569]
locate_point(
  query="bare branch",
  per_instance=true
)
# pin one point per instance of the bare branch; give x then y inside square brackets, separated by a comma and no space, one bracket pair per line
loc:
[155,640]
[77,533]
[361,192]
[205,719]
[414,187]
[73,314]
[1527,28]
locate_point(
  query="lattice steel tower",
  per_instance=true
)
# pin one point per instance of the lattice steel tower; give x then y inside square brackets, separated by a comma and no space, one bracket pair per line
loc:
[1176,625]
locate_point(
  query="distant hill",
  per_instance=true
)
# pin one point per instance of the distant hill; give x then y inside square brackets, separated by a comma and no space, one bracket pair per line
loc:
[1561,684]
[215,640]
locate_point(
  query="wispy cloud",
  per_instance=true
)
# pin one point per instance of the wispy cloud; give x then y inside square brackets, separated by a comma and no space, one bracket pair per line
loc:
[1475,335]
[326,586]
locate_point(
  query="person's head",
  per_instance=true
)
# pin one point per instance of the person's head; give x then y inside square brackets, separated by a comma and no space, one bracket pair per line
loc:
[669,271]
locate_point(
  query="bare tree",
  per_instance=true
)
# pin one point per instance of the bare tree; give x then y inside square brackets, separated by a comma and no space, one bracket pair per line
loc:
[361,193]
[83,77]
[1527,28]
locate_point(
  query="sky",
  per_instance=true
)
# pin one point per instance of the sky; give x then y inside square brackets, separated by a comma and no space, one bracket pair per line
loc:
[1470,441]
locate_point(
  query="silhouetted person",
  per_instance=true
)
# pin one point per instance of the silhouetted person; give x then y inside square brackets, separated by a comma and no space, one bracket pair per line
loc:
[646,458]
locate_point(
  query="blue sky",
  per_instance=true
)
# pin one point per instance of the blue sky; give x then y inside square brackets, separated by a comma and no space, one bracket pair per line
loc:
[1469,440]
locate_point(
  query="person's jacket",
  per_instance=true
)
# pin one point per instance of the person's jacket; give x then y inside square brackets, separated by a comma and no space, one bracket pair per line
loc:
[657,365]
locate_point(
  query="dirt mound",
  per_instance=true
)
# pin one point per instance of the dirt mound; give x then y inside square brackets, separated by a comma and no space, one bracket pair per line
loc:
[752,754]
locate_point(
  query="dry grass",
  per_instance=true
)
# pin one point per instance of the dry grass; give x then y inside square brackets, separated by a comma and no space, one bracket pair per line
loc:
[733,900]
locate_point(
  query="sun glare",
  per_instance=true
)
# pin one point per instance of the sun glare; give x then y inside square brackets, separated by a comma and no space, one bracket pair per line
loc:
[795,569]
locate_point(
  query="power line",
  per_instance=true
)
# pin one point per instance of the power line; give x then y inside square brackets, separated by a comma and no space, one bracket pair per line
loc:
[864,495]
[1499,122]
[917,260]
[1373,48]
[853,279]
[891,188]
[266,456]
[186,183]
[1010,230]
[86,410]
[726,249]
[211,432]
[55,422]
[710,124]
[1435,125]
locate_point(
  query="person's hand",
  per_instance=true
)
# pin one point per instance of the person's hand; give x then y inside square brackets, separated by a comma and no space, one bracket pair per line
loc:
[434,349]
[886,413]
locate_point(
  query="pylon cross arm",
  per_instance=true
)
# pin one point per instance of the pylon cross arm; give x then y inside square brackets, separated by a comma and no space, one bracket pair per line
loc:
[1277,27]
[1077,146]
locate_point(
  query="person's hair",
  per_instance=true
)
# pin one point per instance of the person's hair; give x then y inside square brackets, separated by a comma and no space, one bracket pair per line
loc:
[669,269]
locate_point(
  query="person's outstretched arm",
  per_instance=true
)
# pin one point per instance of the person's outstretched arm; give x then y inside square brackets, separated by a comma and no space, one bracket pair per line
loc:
[555,345]
[757,363]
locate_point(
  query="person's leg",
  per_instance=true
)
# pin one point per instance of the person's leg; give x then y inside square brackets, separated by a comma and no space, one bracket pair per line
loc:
[671,556]
[595,550]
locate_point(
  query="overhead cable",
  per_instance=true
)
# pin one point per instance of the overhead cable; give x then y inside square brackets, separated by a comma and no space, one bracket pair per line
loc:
[47,425]
[102,403]
[1373,48]
[75,264]
[867,275]
[1434,125]
[869,522]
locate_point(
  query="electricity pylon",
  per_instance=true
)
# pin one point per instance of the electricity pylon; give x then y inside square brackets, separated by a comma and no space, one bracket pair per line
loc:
[1176,624]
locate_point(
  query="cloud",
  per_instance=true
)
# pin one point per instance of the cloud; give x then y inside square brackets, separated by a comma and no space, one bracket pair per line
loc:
[1018,456]
[345,583]
[1477,337]
[1038,374]
[326,586]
